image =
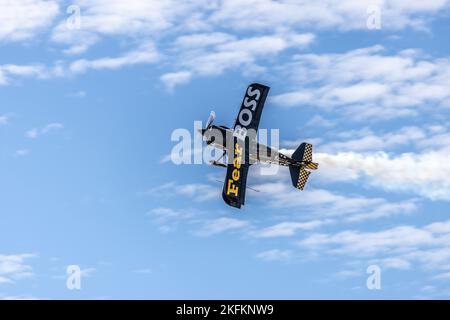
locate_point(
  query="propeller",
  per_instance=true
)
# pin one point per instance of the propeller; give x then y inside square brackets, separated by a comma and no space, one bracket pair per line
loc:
[212,117]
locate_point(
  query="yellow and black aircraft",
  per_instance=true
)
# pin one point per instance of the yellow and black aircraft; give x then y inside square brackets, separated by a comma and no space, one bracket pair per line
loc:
[240,146]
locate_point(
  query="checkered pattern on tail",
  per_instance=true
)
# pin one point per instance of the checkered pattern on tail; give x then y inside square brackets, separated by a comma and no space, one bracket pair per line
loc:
[303,158]
[307,155]
[299,176]
[302,178]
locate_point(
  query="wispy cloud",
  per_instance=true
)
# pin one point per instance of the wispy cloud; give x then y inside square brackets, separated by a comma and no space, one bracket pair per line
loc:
[199,192]
[22,19]
[36,132]
[228,52]
[324,203]
[171,80]
[190,44]
[14,267]
[389,85]
[287,229]
[4,120]
[275,255]
[221,225]
[146,53]
[168,219]
[22,152]
[143,271]
[399,247]
[344,15]
[8,72]
[101,18]
[88,272]
[367,140]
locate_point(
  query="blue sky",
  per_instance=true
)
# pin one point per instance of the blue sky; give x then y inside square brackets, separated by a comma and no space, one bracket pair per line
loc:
[86,117]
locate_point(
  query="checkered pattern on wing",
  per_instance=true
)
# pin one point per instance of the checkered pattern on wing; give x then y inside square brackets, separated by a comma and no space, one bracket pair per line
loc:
[302,178]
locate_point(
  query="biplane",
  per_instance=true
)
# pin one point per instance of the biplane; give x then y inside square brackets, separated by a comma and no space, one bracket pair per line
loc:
[241,148]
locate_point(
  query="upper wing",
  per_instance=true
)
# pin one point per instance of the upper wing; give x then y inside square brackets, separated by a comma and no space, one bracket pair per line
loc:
[252,107]
[239,153]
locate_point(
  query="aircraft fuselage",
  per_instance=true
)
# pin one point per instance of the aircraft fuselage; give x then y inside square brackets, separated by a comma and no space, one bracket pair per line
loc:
[216,136]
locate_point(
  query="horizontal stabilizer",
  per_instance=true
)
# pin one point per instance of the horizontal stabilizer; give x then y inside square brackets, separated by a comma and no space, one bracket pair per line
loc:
[312,166]
[299,177]
[304,154]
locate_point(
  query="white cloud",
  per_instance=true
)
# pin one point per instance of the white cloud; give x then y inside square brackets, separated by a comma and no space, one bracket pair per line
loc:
[211,58]
[4,120]
[133,19]
[10,71]
[221,225]
[422,173]
[401,247]
[13,267]
[286,229]
[199,192]
[36,132]
[79,40]
[5,280]
[442,276]
[275,255]
[368,83]
[324,203]
[369,141]
[51,126]
[167,219]
[88,272]
[345,14]
[146,53]
[22,152]
[157,18]
[190,36]
[171,80]
[143,271]
[395,263]
[319,121]
[23,19]
[78,94]
[363,156]
[202,40]
[32,133]
[163,213]
[369,243]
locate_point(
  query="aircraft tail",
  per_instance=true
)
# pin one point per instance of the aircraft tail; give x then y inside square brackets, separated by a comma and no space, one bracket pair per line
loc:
[299,174]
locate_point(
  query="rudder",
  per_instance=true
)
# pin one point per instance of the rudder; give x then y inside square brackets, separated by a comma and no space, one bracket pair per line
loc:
[303,153]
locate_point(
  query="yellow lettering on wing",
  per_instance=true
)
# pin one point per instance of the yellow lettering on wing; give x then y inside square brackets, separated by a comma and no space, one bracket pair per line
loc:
[236,174]
[237,150]
[232,188]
